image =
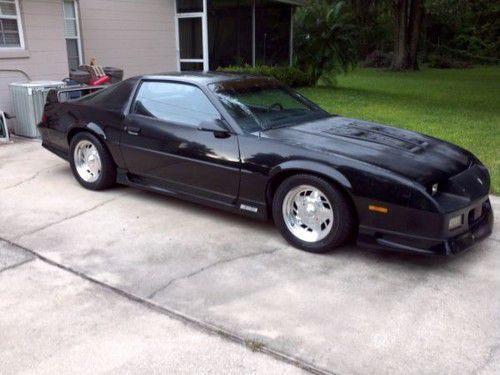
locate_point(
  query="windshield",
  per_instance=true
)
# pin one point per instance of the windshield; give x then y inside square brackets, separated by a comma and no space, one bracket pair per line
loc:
[261,103]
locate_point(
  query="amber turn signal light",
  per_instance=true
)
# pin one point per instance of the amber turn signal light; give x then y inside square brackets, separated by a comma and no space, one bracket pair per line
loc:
[382,210]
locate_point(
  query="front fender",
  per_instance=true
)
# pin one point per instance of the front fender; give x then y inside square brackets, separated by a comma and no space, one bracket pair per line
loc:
[311,167]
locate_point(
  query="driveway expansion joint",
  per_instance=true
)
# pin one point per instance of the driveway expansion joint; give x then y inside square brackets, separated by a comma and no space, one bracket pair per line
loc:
[31,178]
[66,218]
[18,264]
[205,268]
[192,321]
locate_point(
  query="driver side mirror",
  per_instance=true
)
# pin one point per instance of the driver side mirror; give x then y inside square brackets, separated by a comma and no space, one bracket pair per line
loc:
[215,126]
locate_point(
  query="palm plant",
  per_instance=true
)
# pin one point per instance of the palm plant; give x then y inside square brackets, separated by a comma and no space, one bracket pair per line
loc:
[324,38]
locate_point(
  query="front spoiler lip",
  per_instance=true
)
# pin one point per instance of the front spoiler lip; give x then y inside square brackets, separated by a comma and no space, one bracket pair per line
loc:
[479,231]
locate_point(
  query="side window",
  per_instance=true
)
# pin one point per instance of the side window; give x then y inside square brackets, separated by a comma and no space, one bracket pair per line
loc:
[174,102]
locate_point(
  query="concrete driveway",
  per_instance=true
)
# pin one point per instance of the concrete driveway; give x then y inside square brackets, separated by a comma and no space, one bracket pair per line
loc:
[350,311]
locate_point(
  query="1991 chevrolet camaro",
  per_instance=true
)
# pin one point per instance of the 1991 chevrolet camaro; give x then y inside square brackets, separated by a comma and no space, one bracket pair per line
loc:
[253,146]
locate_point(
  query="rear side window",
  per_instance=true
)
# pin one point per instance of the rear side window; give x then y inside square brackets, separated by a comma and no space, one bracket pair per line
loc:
[114,98]
[174,102]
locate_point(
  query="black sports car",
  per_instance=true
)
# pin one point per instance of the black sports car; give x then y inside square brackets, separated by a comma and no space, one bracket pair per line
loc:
[253,146]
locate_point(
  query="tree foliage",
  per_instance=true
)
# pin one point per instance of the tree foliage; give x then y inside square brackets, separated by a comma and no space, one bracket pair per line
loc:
[470,27]
[325,38]
[331,35]
[456,32]
[373,19]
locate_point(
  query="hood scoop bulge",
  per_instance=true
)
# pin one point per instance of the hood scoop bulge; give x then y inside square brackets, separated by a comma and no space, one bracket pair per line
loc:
[378,134]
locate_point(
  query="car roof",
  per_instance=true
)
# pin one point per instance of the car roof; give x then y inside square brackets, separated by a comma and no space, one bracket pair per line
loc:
[203,78]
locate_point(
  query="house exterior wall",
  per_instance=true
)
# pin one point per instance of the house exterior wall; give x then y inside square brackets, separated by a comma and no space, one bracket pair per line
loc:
[44,57]
[136,35]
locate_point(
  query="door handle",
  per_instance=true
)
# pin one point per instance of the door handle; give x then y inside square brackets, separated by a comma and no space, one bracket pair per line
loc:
[132,130]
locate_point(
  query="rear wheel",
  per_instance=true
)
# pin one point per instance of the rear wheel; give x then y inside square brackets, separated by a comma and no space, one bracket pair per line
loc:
[312,214]
[91,163]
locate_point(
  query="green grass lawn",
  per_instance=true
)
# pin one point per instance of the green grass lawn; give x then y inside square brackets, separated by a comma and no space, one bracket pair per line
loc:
[460,106]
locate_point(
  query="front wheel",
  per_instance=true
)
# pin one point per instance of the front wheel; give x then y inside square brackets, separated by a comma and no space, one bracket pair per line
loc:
[312,214]
[91,163]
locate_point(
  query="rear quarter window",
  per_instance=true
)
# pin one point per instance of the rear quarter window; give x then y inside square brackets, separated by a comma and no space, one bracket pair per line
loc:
[114,98]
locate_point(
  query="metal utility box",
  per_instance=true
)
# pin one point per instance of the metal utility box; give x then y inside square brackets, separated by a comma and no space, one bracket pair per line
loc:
[28,100]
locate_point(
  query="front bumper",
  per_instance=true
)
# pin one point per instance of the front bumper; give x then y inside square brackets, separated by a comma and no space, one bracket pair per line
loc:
[478,226]
[479,229]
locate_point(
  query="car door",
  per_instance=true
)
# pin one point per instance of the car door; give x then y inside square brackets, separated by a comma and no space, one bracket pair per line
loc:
[162,144]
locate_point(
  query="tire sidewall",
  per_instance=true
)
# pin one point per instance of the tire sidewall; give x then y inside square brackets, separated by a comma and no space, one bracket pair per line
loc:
[103,181]
[337,201]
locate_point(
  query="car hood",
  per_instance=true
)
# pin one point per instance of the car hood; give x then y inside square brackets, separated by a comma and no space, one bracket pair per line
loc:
[412,155]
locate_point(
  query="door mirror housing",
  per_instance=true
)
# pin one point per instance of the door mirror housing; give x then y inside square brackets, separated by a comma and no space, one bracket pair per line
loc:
[215,126]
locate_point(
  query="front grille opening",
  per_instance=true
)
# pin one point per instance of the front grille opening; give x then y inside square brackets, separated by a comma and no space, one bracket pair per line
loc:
[485,208]
[478,213]
[472,214]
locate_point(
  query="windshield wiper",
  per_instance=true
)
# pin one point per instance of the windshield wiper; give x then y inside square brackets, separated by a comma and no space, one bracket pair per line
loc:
[275,126]
[295,120]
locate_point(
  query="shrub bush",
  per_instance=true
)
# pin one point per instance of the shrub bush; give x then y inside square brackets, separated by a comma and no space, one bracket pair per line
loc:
[325,38]
[288,75]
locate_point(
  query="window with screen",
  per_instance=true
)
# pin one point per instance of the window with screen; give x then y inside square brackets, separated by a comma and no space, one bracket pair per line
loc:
[10,25]
[230,24]
[175,103]
[272,32]
[72,33]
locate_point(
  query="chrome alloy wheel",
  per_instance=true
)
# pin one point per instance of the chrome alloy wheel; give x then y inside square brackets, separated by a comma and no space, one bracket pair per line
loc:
[308,214]
[87,161]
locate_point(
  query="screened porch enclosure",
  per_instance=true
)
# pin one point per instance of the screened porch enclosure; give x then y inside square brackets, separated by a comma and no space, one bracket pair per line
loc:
[219,33]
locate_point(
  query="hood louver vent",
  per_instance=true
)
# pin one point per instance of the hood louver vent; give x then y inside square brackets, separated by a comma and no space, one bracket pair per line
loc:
[363,132]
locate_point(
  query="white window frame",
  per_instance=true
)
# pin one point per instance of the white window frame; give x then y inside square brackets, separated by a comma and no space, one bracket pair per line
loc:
[204,36]
[17,17]
[77,22]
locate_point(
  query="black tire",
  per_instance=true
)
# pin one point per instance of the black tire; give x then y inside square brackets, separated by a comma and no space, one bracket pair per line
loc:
[107,177]
[344,217]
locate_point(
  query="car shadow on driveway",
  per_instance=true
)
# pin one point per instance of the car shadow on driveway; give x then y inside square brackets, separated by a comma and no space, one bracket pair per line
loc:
[349,249]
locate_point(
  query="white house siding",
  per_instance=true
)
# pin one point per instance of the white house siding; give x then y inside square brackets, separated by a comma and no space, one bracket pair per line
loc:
[45,56]
[136,35]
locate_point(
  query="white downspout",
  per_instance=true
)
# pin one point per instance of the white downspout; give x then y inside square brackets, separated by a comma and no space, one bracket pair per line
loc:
[253,34]
[291,35]
[206,60]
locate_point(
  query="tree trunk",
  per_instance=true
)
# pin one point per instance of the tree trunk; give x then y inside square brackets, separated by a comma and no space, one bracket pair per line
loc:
[414,25]
[364,14]
[400,35]
[408,16]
